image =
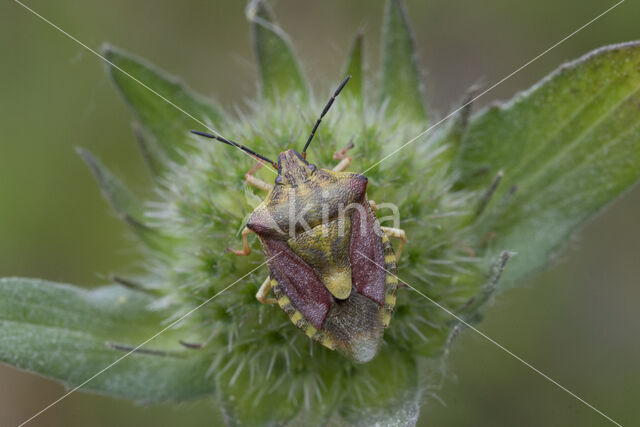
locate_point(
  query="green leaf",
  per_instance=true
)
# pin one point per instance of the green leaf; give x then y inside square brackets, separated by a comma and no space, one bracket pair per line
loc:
[113,189]
[68,334]
[457,127]
[163,104]
[354,68]
[401,83]
[570,144]
[278,67]
[253,398]
[153,156]
[124,203]
[390,395]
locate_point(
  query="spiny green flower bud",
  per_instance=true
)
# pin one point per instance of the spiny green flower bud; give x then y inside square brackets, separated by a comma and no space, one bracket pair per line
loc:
[469,192]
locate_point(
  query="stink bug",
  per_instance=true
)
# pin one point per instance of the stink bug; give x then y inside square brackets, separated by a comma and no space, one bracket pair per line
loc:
[332,267]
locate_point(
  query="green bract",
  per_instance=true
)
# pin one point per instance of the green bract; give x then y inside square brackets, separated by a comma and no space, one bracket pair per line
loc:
[564,149]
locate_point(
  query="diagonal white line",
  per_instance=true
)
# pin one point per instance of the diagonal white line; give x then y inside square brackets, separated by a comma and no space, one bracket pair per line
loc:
[415,138]
[494,342]
[210,129]
[386,157]
[172,324]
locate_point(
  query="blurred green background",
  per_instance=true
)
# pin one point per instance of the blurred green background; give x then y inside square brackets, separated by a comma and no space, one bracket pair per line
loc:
[578,322]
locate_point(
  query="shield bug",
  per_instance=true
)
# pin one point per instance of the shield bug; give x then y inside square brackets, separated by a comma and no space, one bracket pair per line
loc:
[325,249]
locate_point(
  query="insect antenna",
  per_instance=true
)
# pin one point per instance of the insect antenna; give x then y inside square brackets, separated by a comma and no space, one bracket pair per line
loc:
[326,108]
[235,144]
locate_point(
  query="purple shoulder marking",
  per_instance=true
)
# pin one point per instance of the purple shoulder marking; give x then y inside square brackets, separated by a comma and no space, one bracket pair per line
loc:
[299,282]
[366,246]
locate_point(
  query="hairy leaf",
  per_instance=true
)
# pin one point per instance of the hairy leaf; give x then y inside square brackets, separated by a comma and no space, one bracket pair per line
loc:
[278,67]
[113,189]
[567,147]
[152,153]
[401,83]
[354,67]
[253,399]
[71,334]
[391,395]
[124,203]
[163,104]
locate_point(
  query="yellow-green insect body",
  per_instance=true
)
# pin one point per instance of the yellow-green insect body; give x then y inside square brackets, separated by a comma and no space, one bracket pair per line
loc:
[332,267]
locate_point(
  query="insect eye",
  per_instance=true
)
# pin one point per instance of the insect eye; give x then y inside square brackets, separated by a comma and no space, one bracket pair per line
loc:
[278,180]
[312,167]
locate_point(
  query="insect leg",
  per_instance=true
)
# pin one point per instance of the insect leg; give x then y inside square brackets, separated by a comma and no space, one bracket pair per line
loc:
[246,250]
[265,288]
[373,205]
[255,181]
[345,160]
[397,233]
